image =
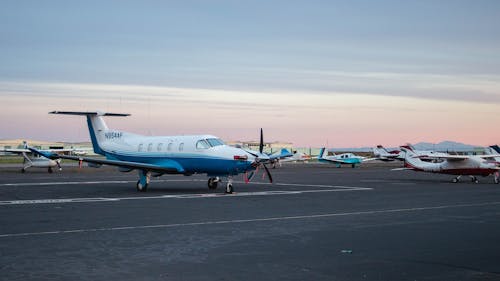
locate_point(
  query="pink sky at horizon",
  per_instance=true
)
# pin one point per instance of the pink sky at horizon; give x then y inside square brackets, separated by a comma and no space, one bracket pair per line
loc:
[307,119]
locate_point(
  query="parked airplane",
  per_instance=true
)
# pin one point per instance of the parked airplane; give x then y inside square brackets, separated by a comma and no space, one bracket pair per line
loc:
[344,158]
[278,156]
[382,154]
[34,160]
[155,156]
[297,156]
[458,165]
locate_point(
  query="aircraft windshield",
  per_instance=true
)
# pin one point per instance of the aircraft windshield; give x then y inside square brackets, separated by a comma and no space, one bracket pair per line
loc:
[215,142]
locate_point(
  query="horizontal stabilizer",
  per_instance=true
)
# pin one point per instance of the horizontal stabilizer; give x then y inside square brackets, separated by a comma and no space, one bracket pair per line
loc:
[86,113]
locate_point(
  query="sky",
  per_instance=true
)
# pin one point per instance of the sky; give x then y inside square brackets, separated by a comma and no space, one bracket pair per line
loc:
[342,73]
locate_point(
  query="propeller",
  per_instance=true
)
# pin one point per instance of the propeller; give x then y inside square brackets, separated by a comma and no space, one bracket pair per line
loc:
[259,160]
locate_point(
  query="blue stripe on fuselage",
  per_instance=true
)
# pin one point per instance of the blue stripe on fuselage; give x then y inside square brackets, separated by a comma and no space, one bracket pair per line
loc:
[190,164]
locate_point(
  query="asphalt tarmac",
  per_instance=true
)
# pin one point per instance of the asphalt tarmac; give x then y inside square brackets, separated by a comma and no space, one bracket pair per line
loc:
[316,222]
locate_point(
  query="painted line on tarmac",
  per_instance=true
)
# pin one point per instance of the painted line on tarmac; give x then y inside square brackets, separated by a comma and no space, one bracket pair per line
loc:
[160,181]
[238,221]
[83,182]
[185,196]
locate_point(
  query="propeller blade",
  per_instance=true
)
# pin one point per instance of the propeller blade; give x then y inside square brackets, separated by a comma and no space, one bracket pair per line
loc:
[250,176]
[268,173]
[251,153]
[261,144]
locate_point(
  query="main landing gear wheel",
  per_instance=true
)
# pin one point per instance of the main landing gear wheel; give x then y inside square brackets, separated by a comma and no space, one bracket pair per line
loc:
[23,170]
[212,183]
[455,180]
[474,180]
[229,188]
[496,181]
[50,170]
[141,187]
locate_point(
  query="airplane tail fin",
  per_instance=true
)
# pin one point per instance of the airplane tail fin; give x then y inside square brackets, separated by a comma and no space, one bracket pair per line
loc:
[323,153]
[285,153]
[495,148]
[97,126]
[380,150]
[410,157]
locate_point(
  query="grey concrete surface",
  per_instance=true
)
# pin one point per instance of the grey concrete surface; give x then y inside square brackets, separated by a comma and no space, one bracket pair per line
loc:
[316,222]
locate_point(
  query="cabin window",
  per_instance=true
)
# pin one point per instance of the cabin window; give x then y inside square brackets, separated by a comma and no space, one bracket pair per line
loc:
[169,146]
[140,147]
[202,144]
[150,147]
[215,142]
[160,145]
[181,146]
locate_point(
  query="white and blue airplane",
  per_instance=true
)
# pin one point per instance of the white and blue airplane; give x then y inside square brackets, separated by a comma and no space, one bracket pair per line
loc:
[34,160]
[340,159]
[159,155]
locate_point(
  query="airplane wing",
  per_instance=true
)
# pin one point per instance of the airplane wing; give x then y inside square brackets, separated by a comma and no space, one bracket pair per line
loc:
[445,157]
[126,164]
[16,150]
[370,159]
[26,150]
[335,161]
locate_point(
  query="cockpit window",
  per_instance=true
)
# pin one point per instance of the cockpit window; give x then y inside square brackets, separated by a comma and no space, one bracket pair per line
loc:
[202,144]
[215,142]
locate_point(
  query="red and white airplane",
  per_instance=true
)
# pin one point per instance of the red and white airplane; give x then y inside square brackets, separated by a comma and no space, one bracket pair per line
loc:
[384,155]
[458,165]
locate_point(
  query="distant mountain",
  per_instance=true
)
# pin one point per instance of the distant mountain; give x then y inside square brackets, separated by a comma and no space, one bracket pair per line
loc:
[446,146]
[442,146]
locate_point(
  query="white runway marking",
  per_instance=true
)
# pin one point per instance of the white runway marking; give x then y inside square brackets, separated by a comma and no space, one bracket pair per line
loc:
[82,182]
[331,188]
[268,219]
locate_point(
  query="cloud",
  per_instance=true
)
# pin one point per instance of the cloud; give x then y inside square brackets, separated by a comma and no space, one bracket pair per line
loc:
[305,118]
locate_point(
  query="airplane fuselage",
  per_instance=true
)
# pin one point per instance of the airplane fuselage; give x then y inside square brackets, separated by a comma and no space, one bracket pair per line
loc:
[188,154]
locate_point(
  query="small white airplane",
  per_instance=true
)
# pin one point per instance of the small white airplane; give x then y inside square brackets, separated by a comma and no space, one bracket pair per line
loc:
[384,155]
[159,155]
[458,165]
[344,158]
[297,157]
[34,160]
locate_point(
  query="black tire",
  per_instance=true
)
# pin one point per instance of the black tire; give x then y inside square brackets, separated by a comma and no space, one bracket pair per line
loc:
[23,170]
[140,187]
[212,184]
[229,188]
[50,170]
